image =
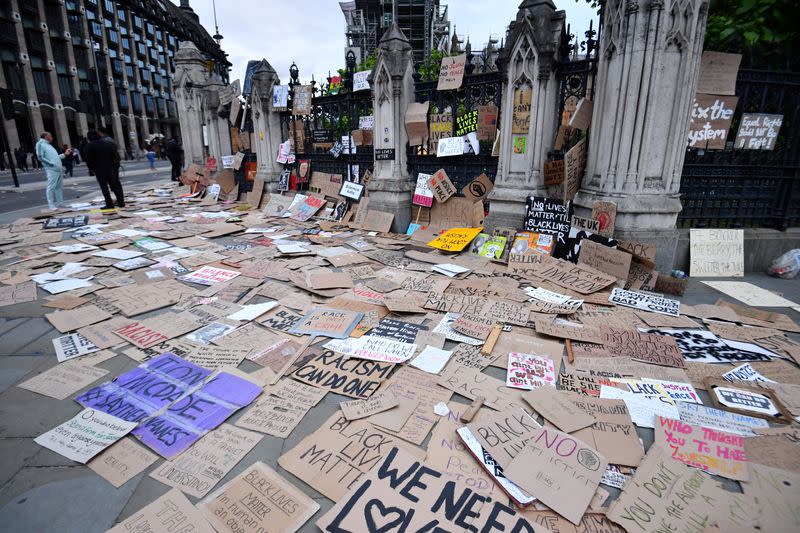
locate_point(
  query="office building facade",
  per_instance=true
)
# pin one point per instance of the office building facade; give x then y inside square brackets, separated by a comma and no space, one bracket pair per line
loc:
[72,65]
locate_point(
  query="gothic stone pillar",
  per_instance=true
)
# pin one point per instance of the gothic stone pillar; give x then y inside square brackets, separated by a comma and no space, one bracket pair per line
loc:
[391,188]
[190,78]
[266,124]
[528,63]
[649,60]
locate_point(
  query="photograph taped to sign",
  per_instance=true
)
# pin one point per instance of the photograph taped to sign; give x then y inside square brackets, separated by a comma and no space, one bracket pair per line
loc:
[645,302]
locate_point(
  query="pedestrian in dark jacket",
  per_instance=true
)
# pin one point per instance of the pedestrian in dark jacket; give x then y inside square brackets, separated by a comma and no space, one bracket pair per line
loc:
[175,155]
[68,161]
[102,157]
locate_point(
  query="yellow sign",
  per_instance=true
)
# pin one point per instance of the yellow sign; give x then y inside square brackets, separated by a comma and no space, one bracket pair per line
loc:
[455,239]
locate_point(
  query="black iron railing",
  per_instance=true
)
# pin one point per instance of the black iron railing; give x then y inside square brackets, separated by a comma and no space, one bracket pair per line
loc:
[749,188]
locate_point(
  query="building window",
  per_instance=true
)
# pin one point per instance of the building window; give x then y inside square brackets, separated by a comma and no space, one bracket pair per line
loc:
[129,71]
[137,21]
[97,29]
[121,15]
[113,36]
[126,43]
[109,5]
[150,29]
[136,102]
[141,49]
[41,82]
[13,77]
[65,87]
[91,15]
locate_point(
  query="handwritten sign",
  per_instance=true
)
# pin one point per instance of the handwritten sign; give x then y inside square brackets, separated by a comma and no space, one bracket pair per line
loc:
[301,100]
[441,186]
[758,131]
[647,347]
[440,126]
[710,121]
[487,122]
[450,146]
[199,404]
[85,435]
[418,497]
[208,275]
[451,73]
[574,165]
[645,302]
[527,371]
[260,498]
[545,215]
[716,252]
[374,348]
[708,449]
[361,81]
[521,111]
[356,378]
[334,323]
[455,239]
[351,190]
[467,122]
[423,196]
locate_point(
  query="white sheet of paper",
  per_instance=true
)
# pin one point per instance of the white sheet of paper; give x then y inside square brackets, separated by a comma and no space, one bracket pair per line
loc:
[252,311]
[642,409]
[85,435]
[118,253]
[750,294]
[64,285]
[431,359]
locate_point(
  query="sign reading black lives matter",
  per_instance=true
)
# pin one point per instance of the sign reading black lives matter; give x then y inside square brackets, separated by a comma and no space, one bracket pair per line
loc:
[545,215]
[645,302]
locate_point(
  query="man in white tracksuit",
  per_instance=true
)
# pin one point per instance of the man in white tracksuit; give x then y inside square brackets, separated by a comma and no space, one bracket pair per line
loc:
[51,161]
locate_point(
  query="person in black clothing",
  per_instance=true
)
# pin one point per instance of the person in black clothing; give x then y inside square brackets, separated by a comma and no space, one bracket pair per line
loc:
[102,157]
[175,154]
[68,161]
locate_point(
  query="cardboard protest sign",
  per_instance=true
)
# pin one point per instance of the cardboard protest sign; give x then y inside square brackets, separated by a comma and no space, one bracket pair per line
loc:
[745,372]
[699,345]
[356,378]
[647,347]
[581,118]
[478,188]
[775,493]
[211,399]
[361,81]
[70,320]
[557,407]
[85,435]
[521,111]
[472,383]
[758,131]
[15,294]
[574,166]
[301,100]
[528,371]
[487,122]
[545,215]
[165,513]
[659,485]
[554,172]
[423,195]
[273,416]
[718,72]
[208,275]
[538,469]
[434,502]
[451,72]
[63,380]
[716,252]
[743,399]
[351,190]
[335,323]
[122,461]
[613,433]
[197,470]
[374,348]
[574,277]
[455,239]
[605,213]
[441,127]
[713,451]
[605,259]
[357,409]
[72,346]
[710,120]
[503,434]
[645,302]
[355,448]
[644,401]
[261,500]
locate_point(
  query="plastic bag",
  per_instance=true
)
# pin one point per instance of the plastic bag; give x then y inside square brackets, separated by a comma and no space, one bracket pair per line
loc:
[786,266]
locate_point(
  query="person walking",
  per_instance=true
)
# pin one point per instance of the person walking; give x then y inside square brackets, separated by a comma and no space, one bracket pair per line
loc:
[175,154]
[151,157]
[102,157]
[50,159]
[105,135]
[69,160]
[22,158]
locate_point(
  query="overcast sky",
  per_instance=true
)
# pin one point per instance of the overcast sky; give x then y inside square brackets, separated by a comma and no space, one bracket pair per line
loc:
[311,32]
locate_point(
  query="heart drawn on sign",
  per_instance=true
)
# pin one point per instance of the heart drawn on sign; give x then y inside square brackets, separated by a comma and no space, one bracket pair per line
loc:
[383,513]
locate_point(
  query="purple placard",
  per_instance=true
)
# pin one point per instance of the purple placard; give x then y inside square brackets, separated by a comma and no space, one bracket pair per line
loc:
[170,399]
